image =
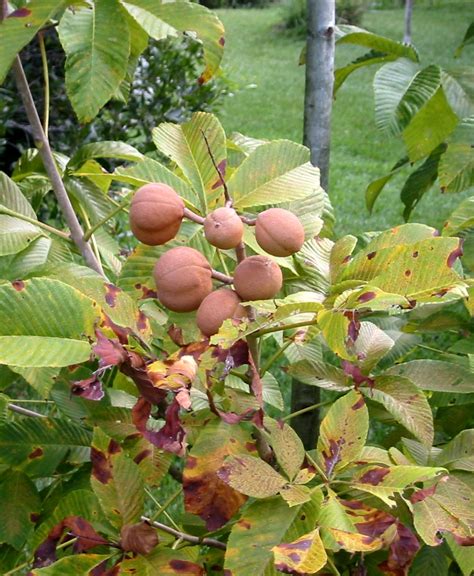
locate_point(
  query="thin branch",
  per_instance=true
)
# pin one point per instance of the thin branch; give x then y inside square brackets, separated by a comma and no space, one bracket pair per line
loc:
[282,327]
[186,537]
[44,61]
[274,357]
[168,502]
[240,252]
[44,149]
[307,409]
[222,277]
[60,233]
[25,411]
[248,221]
[228,199]
[121,206]
[192,216]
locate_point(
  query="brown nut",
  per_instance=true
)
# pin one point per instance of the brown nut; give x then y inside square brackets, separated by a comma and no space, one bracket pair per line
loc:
[223,228]
[156,212]
[183,279]
[217,307]
[257,278]
[279,232]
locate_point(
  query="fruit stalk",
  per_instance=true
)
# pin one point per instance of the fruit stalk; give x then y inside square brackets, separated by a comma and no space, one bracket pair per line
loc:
[190,215]
[222,277]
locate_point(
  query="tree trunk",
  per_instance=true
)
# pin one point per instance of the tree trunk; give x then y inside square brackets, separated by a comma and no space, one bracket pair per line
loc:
[408,15]
[320,48]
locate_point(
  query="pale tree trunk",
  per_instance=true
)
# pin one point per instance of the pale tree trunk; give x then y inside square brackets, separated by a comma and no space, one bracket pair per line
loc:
[408,15]
[320,48]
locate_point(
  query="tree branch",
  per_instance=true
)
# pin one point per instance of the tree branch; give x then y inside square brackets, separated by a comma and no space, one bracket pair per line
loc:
[183,536]
[25,411]
[46,154]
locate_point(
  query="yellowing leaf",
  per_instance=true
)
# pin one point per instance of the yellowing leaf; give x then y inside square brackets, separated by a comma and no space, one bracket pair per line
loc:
[251,476]
[306,555]
[355,542]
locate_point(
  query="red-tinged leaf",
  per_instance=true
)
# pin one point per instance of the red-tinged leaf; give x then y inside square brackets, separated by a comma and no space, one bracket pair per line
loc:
[256,382]
[401,542]
[109,351]
[171,437]
[205,494]
[161,562]
[306,555]
[343,433]
[90,388]
[77,527]
[356,374]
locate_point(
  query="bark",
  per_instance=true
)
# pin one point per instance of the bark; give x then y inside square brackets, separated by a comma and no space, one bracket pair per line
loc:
[320,48]
[408,15]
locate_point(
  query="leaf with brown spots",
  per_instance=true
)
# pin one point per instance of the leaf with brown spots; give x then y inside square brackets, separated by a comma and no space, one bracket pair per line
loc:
[205,494]
[448,507]
[162,562]
[19,505]
[306,555]
[116,480]
[286,444]
[343,433]
[386,482]
[406,403]
[75,565]
[251,476]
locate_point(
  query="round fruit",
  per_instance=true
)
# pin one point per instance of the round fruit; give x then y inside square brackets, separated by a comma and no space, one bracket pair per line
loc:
[223,228]
[279,232]
[183,279]
[257,278]
[217,307]
[156,212]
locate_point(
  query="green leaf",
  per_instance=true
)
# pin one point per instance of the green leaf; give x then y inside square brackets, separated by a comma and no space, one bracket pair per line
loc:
[19,504]
[12,198]
[343,433]
[421,180]
[185,145]
[459,453]
[287,446]
[459,89]
[16,234]
[271,391]
[463,555]
[358,36]
[65,312]
[251,476]
[406,403]
[385,482]
[87,197]
[430,560]
[436,375]
[160,20]
[456,167]
[40,379]
[116,480]
[401,89]
[43,351]
[305,555]
[149,170]
[274,173]
[75,565]
[370,58]
[376,186]
[319,374]
[38,445]
[468,39]
[255,532]
[112,149]
[21,27]
[461,219]
[96,40]
[430,127]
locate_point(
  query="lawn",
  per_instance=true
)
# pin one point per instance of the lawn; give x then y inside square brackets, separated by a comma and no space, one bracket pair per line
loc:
[268,103]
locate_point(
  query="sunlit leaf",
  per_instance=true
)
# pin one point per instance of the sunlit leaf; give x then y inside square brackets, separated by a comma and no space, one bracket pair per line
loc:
[305,555]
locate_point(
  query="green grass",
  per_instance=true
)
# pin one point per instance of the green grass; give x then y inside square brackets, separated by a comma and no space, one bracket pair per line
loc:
[269,103]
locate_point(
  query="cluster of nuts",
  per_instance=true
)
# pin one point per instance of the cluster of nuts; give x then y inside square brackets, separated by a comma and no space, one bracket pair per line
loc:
[183,276]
